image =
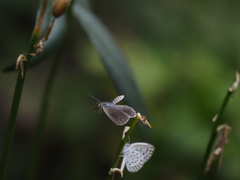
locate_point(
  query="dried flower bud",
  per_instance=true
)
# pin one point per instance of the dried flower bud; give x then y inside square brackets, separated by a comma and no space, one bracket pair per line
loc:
[59,7]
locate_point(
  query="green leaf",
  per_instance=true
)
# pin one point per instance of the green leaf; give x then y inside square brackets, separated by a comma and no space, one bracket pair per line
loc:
[113,60]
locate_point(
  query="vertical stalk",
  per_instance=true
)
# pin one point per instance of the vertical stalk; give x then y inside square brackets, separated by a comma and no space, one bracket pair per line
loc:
[122,143]
[219,121]
[42,118]
[17,95]
[214,132]
[34,157]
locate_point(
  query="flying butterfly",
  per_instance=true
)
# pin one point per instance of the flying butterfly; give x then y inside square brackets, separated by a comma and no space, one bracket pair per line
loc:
[119,114]
[135,155]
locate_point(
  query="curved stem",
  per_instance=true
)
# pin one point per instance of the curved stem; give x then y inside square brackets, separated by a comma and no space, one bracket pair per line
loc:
[17,96]
[122,143]
[218,123]
[214,132]
[44,110]
[42,118]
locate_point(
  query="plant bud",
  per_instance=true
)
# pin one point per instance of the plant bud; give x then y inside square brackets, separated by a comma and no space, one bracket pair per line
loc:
[59,7]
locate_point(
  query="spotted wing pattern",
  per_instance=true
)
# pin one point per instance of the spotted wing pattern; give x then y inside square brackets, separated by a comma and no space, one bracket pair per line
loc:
[136,154]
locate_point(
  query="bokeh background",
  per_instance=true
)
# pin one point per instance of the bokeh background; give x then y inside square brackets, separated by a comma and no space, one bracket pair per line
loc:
[183,54]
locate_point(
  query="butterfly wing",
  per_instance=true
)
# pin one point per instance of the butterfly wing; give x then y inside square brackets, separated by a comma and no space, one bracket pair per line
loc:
[137,154]
[133,161]
[117,99]
[126,109]
[117,116]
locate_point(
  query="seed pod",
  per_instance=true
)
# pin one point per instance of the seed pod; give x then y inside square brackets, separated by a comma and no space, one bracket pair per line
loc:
[59,7]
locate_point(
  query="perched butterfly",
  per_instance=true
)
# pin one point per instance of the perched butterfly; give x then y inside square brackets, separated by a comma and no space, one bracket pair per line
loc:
[135,155]
[119,114]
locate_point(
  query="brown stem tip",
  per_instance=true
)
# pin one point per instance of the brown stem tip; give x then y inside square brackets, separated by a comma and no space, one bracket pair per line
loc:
[59,7]
[144,120]
[235,84]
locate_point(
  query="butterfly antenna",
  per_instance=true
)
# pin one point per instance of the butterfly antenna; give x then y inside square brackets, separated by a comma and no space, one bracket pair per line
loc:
[94,98]
[139,140]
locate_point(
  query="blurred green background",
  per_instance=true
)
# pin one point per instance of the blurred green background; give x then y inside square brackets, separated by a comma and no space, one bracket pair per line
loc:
[184,56]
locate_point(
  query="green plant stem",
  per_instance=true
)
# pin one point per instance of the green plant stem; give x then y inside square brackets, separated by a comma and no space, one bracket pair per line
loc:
[17,99]
[44,110]
[42,118]
[14,112]
[122,143]
[214,134]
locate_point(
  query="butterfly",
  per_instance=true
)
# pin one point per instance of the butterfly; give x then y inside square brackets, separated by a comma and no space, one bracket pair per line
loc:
[135,155]
[119,114]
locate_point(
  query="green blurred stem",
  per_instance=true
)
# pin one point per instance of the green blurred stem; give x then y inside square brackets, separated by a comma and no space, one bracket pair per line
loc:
[42,118]
[122,143]
[17,97]
[214,134]
[44,110]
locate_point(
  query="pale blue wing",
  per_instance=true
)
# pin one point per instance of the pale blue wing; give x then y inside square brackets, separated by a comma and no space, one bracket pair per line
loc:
[145,149]
[137,154]
[134,161]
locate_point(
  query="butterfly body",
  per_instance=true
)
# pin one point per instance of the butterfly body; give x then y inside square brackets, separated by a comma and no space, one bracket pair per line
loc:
[119,114]
[102,104]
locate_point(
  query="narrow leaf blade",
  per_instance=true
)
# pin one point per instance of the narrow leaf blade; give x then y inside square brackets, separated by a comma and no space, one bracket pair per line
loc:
[112,58]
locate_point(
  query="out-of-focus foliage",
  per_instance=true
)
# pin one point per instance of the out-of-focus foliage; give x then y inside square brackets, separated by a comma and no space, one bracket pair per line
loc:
[184,56]
[112,59]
